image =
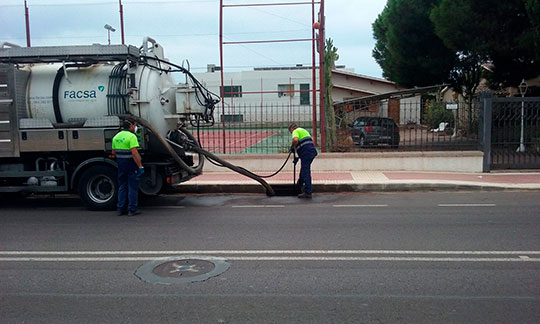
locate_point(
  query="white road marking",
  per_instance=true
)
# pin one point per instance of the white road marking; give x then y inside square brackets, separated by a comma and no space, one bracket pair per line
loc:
[269,258]
[279,258]
[258,206]
[273,255]
[243,252]
[347,206]
[467,205]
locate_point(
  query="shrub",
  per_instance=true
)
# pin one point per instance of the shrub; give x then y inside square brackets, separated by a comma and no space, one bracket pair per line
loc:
[436,113]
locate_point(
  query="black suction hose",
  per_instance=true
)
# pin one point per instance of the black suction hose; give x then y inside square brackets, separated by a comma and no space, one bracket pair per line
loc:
[278,171]
[195,147]
[242,171]
[193,171]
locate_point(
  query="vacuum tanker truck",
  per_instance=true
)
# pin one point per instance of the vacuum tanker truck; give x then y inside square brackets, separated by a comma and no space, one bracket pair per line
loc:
[61,106]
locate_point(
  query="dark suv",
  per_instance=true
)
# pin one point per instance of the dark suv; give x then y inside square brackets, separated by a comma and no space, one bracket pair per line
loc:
[375,130]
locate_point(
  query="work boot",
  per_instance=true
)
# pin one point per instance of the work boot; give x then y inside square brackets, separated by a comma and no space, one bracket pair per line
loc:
[120,212]
[133,213]
[305,195]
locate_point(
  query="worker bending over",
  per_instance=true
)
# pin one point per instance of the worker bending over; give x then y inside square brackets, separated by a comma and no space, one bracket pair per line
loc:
[303,143]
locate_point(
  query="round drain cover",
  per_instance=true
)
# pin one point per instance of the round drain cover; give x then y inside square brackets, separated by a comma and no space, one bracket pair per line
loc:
[182,269]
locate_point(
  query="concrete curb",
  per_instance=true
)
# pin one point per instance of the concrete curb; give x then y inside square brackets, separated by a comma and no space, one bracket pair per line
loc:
[368,187]
[441,161]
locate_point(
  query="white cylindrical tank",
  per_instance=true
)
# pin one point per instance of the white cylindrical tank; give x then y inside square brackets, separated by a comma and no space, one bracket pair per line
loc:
[82,94]
[156,98]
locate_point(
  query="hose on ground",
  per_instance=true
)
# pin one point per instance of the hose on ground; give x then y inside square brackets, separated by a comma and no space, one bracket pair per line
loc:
[242,171]
[258,175]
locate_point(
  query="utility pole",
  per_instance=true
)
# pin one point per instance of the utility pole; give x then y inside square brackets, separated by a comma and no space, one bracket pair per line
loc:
[121,20]
[321,77]
[314,75]
[222,91]
[27,18]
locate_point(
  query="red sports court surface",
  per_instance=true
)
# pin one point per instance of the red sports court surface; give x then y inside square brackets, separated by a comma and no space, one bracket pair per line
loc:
[235,141]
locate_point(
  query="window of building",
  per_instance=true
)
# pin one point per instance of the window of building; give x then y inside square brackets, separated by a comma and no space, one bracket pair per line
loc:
[304,94]
[285,90]
[232,91]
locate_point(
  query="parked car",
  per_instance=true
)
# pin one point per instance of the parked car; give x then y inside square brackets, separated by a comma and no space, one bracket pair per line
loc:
[375,130]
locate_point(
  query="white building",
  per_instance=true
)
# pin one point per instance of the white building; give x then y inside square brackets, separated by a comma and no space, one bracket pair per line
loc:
[281,94]
[278,94]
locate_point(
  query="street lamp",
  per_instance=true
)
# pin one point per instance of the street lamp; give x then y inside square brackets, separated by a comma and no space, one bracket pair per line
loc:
[109,30]
[523,86]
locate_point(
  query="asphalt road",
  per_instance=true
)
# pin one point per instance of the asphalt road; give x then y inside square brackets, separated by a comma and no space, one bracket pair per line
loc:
[339,258]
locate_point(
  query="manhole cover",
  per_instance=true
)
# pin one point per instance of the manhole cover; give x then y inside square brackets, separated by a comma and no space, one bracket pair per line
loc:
[182,269]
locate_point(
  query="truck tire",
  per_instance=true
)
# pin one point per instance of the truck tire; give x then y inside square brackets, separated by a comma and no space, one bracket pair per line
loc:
[147,188]
[98,188]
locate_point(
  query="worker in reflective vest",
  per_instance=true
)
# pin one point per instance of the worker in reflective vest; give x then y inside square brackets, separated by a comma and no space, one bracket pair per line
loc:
[130,168]
[302,142]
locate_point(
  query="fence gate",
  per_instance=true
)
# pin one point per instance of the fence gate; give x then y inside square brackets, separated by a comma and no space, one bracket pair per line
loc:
[510,132]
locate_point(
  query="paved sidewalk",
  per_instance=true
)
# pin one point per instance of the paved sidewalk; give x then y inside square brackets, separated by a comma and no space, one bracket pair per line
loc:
[365,181]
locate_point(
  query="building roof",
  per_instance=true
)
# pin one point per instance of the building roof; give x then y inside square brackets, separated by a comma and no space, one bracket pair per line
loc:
[395,94]
[349,88]
[360,76]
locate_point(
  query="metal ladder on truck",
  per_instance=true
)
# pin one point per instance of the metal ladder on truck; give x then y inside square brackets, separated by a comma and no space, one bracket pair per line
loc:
[13,176]
[8,138]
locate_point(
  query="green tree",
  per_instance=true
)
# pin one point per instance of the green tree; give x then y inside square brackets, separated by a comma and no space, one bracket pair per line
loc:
[407,48]
[503,32]
[329,58]
[533,12]
[447,18]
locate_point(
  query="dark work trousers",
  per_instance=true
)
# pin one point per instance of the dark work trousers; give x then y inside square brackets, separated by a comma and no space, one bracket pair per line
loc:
[128,185]
[306,155]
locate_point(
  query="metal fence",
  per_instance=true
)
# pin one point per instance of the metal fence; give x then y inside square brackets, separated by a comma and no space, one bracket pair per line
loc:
[510,132]
[423,125]
[255,129]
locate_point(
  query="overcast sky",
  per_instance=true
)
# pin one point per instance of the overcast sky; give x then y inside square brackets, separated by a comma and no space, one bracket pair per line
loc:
[189,29]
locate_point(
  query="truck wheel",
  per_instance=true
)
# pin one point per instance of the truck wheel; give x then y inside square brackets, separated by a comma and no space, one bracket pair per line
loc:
[98,188]
[148,188]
